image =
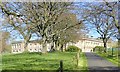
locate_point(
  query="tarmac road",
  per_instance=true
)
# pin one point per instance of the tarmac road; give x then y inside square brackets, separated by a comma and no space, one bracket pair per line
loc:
[98,64]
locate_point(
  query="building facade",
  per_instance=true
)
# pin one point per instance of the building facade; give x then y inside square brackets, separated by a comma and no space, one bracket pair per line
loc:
[18,47]
[86,44]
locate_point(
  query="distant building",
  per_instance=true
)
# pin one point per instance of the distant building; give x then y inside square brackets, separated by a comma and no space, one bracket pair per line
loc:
[33,46]
[86,44]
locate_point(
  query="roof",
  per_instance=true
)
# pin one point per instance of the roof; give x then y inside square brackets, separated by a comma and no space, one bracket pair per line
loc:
[92,39]
[15,42]
[32,41]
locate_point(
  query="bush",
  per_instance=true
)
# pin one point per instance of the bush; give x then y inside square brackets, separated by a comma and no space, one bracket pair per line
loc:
[73,49]
[27,52]
[98,49]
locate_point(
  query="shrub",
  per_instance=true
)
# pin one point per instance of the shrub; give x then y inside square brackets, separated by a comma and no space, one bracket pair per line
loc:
[73,48]
[98,49]
[27,52]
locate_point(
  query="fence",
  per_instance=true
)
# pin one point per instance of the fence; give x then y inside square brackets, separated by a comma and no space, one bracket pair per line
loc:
[113,51]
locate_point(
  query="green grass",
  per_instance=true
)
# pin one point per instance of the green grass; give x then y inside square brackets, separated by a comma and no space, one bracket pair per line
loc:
[107,56]
[38,61]
[83,62]
[0,62]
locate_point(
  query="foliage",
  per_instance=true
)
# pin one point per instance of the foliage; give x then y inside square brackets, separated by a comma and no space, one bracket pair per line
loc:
[98,49]
[35,61]
[73,48]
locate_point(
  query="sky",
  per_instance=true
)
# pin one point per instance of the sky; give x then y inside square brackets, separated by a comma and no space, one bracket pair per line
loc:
[58,0]
[92,32]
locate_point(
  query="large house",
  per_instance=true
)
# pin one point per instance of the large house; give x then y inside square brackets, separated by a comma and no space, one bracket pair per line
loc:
[86,44]
[33,46]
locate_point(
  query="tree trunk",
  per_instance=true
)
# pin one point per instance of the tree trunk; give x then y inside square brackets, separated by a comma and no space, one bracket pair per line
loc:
[52,46]
[56,45]
[44,45]
[65,47]
[25,46]
[78,53]
[27,38]
[105,45]
[119,39]
[119,42]
[61,48]
[118,46]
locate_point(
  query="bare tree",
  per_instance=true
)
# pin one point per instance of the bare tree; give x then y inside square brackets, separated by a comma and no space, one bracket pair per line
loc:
[72,34]
[4,42]
[38,17]
[114,10]
[103,23]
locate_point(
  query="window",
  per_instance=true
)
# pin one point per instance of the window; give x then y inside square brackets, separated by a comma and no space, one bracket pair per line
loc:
[14,46]
[91,42]
[20,45]
[13,50]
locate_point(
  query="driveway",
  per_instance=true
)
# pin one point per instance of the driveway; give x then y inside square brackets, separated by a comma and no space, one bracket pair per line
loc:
[98,64]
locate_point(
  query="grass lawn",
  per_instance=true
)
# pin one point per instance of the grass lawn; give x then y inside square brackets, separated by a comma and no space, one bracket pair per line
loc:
[114,59]
[83,62]
[0,62]
[38,61]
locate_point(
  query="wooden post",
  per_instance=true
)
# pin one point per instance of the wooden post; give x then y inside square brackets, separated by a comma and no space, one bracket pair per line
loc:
[78,57]
[61,66]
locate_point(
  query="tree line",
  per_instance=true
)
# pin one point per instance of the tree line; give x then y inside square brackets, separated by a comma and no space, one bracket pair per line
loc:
[56,22]
[48,20]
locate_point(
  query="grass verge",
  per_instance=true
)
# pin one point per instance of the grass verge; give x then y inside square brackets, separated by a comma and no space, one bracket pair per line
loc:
[38,61]
[83,62]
